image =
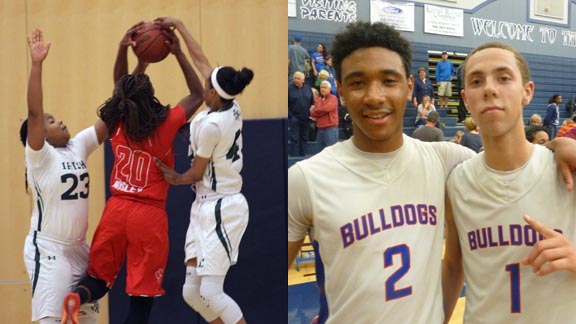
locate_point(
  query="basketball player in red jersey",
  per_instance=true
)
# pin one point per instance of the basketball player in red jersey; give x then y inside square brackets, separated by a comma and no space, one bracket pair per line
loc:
[134,222]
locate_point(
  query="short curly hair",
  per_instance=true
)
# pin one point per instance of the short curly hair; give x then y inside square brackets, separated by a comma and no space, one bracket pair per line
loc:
[364,35]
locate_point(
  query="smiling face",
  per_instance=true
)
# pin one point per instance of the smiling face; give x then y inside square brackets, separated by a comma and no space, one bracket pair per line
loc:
[494,91]
[375,89]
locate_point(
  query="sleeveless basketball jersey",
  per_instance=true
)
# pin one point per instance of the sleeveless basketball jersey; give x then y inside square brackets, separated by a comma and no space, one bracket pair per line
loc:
[488,208]
[379,223]
[217,135]
[59,181]
[134,174]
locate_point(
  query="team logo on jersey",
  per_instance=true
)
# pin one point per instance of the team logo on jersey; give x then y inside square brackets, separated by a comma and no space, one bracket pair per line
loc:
[237,114]
[159,275]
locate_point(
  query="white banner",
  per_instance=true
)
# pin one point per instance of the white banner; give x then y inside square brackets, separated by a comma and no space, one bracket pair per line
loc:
[396,13]
[443,21]
[291,8]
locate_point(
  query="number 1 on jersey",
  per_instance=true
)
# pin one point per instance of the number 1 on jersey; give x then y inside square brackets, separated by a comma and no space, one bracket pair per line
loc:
[391,291]
[514,269]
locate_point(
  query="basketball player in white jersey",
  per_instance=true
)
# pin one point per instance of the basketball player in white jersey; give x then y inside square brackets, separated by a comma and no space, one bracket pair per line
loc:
[517,270]
[219,214]
[375,203]
[55,250]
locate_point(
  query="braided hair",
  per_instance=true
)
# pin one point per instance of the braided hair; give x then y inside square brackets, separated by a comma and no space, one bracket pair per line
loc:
[134,105]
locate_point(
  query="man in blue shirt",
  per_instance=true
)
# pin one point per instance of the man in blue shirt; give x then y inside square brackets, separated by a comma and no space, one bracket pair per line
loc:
[300,101]
[444,72]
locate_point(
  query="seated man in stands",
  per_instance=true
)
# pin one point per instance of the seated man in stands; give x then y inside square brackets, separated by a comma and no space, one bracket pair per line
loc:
[429,132]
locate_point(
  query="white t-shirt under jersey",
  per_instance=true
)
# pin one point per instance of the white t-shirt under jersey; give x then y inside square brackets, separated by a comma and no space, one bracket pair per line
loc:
[488,207]
[379,221]
[59,181]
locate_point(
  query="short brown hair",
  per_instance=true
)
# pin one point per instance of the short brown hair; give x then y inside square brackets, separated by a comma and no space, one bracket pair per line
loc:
[520,60]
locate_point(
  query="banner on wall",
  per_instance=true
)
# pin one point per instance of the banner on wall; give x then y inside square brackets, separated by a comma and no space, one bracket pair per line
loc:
[291,8]
[344,11]
[443,21]
[395,13]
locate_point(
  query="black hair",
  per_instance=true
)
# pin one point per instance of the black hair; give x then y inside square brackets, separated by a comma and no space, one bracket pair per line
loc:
[364,35]
[553,98]
[134,105]
[532,130]
[232,81]
[23,138]
[24,132]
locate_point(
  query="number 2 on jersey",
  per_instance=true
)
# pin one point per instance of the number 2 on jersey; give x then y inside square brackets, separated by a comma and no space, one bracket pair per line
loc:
[392,292]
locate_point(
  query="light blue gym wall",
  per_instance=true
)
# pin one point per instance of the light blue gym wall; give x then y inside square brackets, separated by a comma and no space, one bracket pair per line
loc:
[510,11]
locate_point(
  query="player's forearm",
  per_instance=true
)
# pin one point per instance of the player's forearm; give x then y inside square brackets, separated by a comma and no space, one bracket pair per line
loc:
[121,64]
[198,56]
[452,283]
[35,94]
[192,80]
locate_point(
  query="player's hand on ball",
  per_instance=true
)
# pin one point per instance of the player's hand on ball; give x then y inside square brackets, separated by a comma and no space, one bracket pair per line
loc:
[554,253]
[168,22]
[174,42]
[38,49]
[128,38]
[169,174]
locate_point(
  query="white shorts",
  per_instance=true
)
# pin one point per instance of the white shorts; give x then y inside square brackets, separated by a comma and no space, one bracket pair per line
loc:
[214,234]
[55,269]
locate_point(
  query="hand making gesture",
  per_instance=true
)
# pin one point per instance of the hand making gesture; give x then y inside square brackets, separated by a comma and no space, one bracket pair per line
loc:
[555,252]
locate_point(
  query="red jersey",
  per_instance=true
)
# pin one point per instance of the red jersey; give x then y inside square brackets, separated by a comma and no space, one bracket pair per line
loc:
[134,175]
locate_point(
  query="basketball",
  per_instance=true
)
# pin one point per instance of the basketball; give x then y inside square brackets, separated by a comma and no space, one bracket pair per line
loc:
[151,44]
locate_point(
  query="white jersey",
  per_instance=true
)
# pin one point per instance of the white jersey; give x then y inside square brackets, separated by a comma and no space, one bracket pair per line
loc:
[58,179]
[217,135]
[488,207]
[379,222]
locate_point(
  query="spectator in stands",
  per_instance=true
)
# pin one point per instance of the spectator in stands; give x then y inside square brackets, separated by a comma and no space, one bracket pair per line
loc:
[567,124]
[318,59]
[471,139]
[429,132]
[571,106]
[323,75]
[537,135]
[300,99]
[461,105]
[331,74]
[571,133]
[298,58]
[325,111]
[457,137]
[444,72]
[422,87]
[535,120]
[423,110]
[552,118]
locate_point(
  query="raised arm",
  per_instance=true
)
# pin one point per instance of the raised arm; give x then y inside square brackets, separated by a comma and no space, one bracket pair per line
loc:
[38,52]
[121,64]
[200,60]
[194,99]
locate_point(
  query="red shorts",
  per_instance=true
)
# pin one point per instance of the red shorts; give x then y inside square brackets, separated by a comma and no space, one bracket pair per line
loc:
[135,230]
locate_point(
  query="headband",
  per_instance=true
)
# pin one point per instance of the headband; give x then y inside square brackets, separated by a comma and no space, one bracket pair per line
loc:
[217,86]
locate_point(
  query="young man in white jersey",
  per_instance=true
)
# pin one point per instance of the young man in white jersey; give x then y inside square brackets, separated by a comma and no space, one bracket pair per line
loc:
[377,216]
[55,251]
[219,214]
[517,270]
